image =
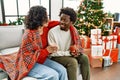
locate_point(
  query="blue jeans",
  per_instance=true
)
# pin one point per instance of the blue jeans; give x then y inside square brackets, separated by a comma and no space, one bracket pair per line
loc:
[50,70]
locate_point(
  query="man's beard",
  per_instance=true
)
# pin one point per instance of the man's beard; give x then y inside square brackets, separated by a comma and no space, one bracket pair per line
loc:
[62,28]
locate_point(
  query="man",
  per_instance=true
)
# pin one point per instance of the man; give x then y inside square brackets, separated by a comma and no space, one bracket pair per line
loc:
[69,52]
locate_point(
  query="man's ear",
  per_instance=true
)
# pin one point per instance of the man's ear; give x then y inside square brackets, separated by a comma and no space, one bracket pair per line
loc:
[71,23]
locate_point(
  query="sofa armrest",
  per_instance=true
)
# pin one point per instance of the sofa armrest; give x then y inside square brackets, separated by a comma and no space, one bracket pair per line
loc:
[3,75]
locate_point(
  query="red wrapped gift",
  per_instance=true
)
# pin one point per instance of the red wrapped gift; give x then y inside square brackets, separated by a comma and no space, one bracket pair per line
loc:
[118,39]
[85,40]
[87,51]
[95,61]
[106,42]
[117,32]
[113,41]
[113,54]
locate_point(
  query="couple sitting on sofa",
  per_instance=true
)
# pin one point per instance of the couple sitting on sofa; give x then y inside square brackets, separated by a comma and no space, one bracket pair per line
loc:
[64,47]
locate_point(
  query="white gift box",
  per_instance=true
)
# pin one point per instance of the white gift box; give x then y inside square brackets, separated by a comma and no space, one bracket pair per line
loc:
[96,50]
[96,41]
[95,33]
[96,36]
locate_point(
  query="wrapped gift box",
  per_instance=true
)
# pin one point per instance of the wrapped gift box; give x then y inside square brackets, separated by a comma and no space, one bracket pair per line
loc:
[95,61]
[96,41]
[106,42]
[87,51]
[96,36]
[96,32]
[118,39]
[113,54]
[107,61]
[117,32]
[113,41]
[86,41]
[118,45]
[96,50]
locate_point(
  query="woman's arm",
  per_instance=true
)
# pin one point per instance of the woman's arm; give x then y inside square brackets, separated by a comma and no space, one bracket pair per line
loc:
[52,24]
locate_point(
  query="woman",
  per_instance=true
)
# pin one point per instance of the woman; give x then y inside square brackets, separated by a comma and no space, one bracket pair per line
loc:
[31,60]
[46,69]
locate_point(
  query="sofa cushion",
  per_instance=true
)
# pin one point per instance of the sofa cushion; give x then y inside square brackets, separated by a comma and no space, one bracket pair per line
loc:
[9,50]
[10,36]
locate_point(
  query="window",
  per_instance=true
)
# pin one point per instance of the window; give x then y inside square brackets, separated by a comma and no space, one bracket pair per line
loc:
[19,8]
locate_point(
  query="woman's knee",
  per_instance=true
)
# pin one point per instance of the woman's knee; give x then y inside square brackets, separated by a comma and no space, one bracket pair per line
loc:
[63,74]
[54,75]
[63,71]
[43,72]
[50,75]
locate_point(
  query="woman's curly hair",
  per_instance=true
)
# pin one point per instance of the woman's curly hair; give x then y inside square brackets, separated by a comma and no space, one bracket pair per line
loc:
[70,12]
[36,17]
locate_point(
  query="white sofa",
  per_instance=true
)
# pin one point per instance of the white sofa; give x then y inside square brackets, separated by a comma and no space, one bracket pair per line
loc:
[10,39]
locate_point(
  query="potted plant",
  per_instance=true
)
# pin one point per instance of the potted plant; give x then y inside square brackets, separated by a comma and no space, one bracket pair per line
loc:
[3,24]
[19,21]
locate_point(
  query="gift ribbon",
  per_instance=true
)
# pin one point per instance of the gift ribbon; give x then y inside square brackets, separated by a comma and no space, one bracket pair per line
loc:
[105,41]
[113,39]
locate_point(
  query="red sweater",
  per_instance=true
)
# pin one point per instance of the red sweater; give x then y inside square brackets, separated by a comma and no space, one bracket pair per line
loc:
[44,53]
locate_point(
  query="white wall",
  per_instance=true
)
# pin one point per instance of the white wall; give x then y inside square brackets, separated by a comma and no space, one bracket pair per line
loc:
[72,3]
[112,6]
[56,5]
[0,12]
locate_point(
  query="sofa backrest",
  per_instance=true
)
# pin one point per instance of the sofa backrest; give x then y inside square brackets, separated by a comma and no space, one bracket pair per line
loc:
[10,36]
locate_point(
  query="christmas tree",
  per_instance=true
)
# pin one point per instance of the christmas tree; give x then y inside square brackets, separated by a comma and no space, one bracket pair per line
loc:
[90,15]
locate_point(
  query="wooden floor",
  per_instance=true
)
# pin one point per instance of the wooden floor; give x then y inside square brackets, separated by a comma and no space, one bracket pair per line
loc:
[107,73]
